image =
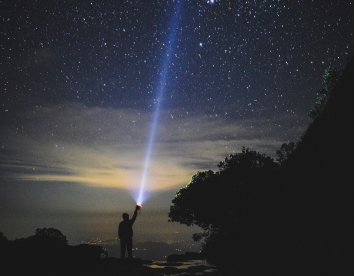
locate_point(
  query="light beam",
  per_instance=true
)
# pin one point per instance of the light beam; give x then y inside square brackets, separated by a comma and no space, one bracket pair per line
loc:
[160,92]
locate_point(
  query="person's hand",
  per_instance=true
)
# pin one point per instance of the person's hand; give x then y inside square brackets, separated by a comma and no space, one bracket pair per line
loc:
[138,207]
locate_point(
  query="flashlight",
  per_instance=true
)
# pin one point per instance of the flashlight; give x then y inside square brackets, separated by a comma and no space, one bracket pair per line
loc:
[138,206]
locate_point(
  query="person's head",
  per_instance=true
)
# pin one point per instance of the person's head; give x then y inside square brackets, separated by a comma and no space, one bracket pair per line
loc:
[125,216]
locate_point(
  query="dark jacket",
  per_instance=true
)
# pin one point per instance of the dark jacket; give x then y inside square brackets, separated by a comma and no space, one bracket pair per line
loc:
[125,227]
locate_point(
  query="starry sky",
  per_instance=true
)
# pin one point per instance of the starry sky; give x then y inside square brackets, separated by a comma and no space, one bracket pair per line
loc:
[92,89]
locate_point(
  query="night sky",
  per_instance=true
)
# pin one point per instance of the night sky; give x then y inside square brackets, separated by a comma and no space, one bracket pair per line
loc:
[87,86]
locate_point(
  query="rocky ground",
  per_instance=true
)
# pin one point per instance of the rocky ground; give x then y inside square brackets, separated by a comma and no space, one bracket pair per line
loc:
[104,267]
[114,266]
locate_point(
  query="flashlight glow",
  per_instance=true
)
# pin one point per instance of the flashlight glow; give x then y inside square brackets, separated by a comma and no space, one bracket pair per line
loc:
[160,92]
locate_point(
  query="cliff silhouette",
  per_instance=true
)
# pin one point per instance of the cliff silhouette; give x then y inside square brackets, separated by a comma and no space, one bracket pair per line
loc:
[312,217]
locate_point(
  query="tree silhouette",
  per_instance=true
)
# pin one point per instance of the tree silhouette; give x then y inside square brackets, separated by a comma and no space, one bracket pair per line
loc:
[51,234]
[260,218]
[228,206]
[283,153]
[331,77]
[3,239]
[48,253]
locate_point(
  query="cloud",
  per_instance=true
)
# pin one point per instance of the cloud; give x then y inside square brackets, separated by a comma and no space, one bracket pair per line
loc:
[77,168]
[106,147]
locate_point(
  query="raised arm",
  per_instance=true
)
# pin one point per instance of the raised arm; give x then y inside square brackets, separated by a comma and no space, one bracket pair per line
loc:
[135,214]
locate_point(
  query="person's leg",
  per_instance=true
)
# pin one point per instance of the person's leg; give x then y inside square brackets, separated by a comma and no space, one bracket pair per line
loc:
[129,248]
[123,248]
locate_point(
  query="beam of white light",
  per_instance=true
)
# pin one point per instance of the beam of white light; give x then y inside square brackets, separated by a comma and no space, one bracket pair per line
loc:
[160,92]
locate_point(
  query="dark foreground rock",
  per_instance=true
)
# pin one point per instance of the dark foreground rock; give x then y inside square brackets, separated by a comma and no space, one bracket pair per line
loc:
[99,267]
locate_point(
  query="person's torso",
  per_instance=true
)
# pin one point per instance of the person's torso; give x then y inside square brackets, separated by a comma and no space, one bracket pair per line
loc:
[125,228]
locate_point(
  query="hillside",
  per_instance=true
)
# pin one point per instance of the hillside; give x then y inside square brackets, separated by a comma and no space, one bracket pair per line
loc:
[318,191]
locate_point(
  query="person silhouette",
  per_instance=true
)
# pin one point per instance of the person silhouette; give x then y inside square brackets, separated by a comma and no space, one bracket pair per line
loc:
[125,233]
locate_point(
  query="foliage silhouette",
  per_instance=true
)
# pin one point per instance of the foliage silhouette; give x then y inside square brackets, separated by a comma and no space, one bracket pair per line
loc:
[48,253]
[3,239]
[228,205]
[259,218]
[283,153]
[51,235]
[331,78]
